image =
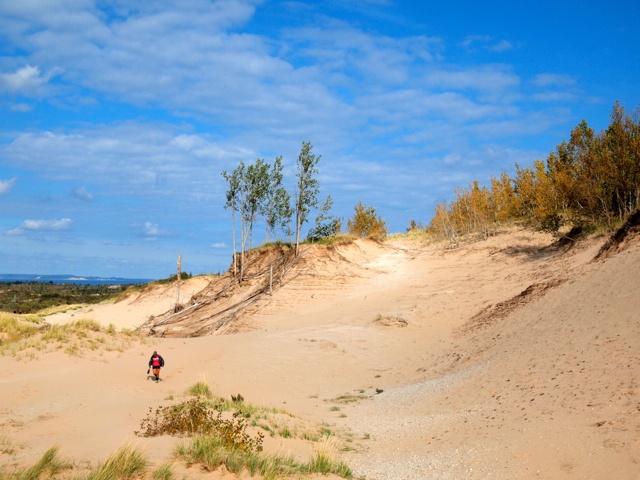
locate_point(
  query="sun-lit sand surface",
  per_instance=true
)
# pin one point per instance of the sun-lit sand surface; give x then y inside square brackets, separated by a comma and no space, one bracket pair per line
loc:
[507,358]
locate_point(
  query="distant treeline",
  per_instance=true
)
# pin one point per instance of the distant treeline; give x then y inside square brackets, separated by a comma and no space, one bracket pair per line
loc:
[31,297]
[591,180]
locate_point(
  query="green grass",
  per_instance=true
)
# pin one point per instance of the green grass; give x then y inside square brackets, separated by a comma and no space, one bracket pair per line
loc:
[211,453]
[163,472]
[127,462]
[200,389]
[50,465]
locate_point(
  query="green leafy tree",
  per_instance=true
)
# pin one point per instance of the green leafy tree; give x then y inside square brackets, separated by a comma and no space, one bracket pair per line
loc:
[307,187]
[366,222]
[246,196]
[326,225]
[257,183]
[277,205]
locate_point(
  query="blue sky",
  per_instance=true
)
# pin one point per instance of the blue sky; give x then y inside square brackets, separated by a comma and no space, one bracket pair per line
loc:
[117,117]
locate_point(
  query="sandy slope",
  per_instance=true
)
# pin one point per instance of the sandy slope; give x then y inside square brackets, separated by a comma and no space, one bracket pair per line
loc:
[505,359]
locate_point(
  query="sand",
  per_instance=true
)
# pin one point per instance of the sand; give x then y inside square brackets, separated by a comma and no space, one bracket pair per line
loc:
[506,358]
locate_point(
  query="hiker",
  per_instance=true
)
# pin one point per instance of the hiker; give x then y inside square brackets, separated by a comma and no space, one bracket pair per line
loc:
[156,362]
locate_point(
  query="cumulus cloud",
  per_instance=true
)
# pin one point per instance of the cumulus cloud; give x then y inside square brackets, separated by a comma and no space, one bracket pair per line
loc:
[150,230]
[42,226]
[53,225]
[25,80]
[7,185]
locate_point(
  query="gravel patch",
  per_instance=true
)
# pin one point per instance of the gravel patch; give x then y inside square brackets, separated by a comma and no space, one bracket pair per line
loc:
[388,419]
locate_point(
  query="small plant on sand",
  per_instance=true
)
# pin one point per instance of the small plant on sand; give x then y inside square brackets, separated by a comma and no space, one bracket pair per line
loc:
[211,453]
[50,465]
[200,389]
[198,417]
[163,472]
[6,446]
[324,459]
[127,462]
[349,398]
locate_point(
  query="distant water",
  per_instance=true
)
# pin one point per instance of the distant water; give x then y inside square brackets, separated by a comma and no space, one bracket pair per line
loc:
[72,279]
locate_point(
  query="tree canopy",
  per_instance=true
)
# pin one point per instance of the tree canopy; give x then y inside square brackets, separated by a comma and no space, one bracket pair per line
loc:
[593,178]
[256,192]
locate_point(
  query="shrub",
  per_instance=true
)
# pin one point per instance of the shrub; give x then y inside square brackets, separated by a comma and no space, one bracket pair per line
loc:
[366,222]
[197,417]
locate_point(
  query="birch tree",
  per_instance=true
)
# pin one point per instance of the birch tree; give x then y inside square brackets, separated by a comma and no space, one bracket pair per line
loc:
[307,187]
[233,202]
[277,206]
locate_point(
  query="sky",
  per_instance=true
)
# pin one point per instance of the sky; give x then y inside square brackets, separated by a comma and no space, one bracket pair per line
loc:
[118,117]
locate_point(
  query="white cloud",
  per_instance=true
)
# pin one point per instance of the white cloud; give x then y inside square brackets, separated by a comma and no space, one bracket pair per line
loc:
[82,194]
[26,80]
[219,245]
[131,158]
[41,226]
[151,229]
[7,185]
[53,225]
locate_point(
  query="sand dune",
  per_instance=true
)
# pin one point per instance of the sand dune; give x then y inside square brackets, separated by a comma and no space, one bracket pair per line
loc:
[507,358]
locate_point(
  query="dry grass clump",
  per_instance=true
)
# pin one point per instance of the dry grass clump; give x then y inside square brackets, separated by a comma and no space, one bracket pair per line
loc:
[324,459]
[24,336]
[390,321]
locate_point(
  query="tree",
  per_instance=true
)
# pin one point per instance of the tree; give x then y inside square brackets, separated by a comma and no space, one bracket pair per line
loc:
[325,225]
[307,187]
[277,206]
[256,184]
[233,201]
[246,194]
[366,222]
[592,178]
